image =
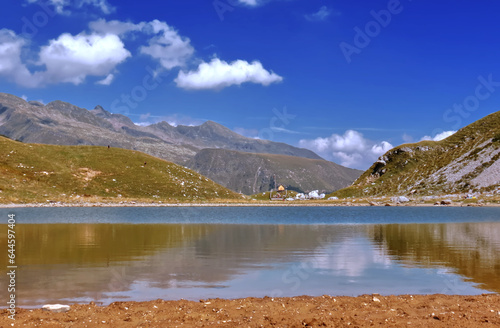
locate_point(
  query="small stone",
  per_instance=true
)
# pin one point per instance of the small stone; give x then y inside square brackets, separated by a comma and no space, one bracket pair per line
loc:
[56,308]
[375,299]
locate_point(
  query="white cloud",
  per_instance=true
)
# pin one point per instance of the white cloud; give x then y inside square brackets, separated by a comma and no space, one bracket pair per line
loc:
[320,15]
[105,7]
[173,119]
[143,123]
[107,80]
[179,119]
[115,27]
[251,3]
[219,74]
[64,7]
[439,136]
[381,148]
[72,58]
[166,45]
[66,59]
[351,149]
[11,65]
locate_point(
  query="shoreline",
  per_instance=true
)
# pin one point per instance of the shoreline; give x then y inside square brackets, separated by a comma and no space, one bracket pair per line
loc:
[435,310]
[259,204]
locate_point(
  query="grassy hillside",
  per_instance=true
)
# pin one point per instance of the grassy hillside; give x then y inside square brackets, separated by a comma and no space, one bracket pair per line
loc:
[41,173]
[256,173]
[467,161]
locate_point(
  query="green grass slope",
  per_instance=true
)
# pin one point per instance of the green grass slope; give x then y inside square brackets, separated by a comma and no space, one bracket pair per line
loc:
[464,162]
[41,173]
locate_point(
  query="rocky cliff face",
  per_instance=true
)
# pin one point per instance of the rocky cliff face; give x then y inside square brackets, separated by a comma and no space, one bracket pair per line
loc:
[254,173]
[467,161]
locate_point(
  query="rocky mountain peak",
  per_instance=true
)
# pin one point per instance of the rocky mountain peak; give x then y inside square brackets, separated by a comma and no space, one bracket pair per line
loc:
[101,112]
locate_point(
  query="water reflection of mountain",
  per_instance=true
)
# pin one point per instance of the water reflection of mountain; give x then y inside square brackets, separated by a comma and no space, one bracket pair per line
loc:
[87,261]
[469,249]
[98,244]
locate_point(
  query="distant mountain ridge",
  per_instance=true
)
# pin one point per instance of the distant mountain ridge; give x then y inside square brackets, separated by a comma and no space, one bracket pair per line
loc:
[467,161]
[254,173]
[65,124]
[62,123]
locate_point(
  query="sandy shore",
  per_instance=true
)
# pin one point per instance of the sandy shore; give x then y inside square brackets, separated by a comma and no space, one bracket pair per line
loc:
[303,311]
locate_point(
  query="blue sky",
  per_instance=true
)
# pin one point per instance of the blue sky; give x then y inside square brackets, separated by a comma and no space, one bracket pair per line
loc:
[347,79]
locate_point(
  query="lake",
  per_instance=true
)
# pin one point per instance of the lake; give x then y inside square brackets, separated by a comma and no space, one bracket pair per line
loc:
[76,255]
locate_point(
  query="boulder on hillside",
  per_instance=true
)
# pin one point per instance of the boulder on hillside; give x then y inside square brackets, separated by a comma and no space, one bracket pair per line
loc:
[400,199]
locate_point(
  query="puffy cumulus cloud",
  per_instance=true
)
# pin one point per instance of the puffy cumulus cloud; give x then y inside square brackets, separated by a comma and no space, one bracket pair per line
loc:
[11,65]
[351,149]
[65,7]
[219,74]
[439,136]
[72,58]
[165,45]
[443,135]
[321,15]
[66,59]
[381,148]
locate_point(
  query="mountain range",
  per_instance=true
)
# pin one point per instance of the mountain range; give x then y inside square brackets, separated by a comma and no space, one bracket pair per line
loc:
[61,123]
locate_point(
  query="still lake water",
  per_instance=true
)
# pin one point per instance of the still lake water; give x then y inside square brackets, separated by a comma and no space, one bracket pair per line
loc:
[68,255]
